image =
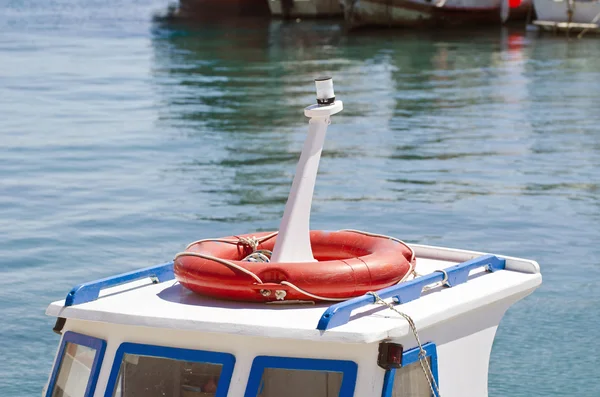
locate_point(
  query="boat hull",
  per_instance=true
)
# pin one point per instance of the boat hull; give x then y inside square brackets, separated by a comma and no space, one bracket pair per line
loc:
[227,8]
[557,11]
[522,12]
[415,13]
[305,8]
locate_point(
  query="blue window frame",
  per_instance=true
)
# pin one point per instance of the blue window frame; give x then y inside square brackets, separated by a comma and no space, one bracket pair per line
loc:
[260,363]
[200,356]
[410,357]
[74,338]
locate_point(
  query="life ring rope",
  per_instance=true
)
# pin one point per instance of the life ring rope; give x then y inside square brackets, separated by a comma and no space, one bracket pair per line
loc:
[253,243]
[412,251]
[222,261]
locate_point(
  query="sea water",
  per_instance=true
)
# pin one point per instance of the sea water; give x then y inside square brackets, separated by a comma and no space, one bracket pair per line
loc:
[122,139]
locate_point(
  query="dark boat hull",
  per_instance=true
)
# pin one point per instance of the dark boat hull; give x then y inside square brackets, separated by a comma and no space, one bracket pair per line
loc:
[422,13]
[231,8]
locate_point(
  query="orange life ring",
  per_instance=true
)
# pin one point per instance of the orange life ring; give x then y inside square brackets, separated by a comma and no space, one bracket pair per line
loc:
[349,264]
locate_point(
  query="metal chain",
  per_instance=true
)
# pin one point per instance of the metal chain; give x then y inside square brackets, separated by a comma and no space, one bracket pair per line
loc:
[422,353]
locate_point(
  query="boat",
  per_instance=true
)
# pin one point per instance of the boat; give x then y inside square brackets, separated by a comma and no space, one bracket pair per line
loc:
[425,328]
[305,8]
[192,9]
[567,15]
[427,13]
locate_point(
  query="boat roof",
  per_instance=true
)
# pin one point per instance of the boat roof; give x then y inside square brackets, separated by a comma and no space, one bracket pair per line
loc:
[169,305]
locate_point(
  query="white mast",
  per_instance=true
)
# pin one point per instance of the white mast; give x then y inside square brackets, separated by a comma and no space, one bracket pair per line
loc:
[293,241]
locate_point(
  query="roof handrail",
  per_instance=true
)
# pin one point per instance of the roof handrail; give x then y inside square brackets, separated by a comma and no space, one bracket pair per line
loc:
[88,292]
[339,314]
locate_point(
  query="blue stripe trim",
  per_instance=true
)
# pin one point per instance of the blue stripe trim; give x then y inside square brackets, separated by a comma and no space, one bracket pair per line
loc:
[347,368]
[83,340]
[89,292]
[201,356]
[410,357]
[339,314]
[388,383]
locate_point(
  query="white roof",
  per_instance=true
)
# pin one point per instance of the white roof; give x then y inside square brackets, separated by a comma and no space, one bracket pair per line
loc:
[170,305]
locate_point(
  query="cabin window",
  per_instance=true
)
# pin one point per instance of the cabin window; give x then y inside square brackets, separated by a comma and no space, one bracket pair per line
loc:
[301,377]
[409,380]
[77,366]
[155,371]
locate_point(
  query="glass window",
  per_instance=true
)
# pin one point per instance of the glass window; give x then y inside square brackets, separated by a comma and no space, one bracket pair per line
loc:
[410,381]
[273,376]
[150,376]
[74,371]
[279,382]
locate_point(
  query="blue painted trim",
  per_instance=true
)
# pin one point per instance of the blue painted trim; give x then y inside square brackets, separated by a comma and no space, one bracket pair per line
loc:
[388,383]
[88,292]
[347,368]
[410,357]
[339,314]
[84,340]
[201,356]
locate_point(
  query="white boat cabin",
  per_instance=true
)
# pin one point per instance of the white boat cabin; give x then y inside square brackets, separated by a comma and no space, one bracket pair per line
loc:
[143,334]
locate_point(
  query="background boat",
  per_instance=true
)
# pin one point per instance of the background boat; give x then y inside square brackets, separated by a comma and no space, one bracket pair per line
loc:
[567,11]
[305,8]
[228,8]
[413,13]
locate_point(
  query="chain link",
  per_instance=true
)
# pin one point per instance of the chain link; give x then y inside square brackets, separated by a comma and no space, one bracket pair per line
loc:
[422,353]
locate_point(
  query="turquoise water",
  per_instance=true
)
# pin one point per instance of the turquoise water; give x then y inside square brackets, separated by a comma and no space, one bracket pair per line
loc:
[122,139]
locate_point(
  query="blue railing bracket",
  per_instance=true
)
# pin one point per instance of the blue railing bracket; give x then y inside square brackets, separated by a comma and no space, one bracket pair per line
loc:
[339,314]
[89,292]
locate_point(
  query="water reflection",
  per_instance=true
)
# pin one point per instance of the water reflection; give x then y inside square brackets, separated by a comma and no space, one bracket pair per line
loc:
[442,117]
[239,92]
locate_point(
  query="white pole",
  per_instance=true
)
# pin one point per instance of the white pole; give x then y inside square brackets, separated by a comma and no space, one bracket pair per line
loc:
[293,240]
